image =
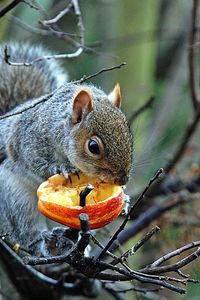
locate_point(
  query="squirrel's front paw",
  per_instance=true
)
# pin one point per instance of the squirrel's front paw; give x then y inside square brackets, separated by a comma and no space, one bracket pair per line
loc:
[57,241]
[67,170]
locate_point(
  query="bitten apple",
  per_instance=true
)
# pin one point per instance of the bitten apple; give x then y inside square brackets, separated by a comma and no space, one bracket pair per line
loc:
[59,200]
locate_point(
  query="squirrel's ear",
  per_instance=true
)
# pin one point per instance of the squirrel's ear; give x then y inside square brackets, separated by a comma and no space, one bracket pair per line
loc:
[82,105]
[115,96]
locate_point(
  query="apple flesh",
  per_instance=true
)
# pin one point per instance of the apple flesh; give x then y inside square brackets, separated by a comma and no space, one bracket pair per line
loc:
[59,200]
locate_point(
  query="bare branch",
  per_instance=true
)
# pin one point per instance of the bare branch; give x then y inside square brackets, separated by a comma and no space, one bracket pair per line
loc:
[85,78]
[102,247]
[46,97]
[8,7]
[174,184]
[45,57]
[189,131]
[31,5]
[173,267]
[141,242]
[116,259]
[93,268]
[58,16]
[97,266]
[148,104]
[144,278]
[80,21]
[179,152]
[44,32]
[79,46]
[154,213]
[30,274]
[119,230]
[175,253]
[137,246]
[192,57]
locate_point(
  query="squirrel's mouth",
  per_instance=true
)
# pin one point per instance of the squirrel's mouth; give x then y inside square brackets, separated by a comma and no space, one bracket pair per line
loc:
[102,174]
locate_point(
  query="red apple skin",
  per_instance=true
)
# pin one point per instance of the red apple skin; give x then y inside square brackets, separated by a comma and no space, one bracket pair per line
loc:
[99,214]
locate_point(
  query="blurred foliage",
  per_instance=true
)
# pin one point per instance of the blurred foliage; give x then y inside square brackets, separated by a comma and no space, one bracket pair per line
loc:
[151,36]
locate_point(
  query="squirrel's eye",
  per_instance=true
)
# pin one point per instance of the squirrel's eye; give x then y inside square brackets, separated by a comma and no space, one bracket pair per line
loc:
[93,147]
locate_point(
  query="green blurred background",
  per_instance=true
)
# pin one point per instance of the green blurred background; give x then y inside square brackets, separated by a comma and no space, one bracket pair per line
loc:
[152,37]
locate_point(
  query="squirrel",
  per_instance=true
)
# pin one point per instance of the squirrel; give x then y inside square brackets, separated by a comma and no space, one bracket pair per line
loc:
[73,127]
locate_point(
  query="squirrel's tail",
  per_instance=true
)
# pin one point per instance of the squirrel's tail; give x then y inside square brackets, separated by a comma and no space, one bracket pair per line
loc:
[20,83]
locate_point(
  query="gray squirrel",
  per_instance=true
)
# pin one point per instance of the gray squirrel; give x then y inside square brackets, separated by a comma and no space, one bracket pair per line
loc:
[75,127]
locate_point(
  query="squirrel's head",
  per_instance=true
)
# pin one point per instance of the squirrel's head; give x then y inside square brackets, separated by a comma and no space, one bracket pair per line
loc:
[100,143]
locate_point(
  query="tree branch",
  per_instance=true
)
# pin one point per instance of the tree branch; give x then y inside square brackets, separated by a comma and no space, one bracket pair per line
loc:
[120,229]
[174,253]
[8,7]
[188,133]
[46,97]
[173,267]
[85,78]
[148,104]
[192,55]
[154,213]
[137,246]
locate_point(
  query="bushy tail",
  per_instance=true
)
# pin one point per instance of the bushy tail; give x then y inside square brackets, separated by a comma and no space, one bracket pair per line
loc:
[20,83]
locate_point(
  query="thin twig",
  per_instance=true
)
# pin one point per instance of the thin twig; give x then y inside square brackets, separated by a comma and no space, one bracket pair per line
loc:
[137,246]
[8,7]
[179,152]
[189,131]
[193,83]
[93,269]
[38,59]
[85,78]
[46,97]
[80,22]
[115,258]
[154,213]
[79,47]
[140,243]
[31,5]
[175,253]
[173,267]
[58,16]
[120,229]
[66,36]
[148,104]
[113,277]
[174,184]
[102,247]
[137,276]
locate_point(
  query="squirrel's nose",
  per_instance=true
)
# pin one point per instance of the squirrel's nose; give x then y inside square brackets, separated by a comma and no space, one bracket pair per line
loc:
[121,179]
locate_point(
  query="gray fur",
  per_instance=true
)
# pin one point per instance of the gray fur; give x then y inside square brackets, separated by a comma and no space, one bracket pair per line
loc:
[43,140]
[18,84]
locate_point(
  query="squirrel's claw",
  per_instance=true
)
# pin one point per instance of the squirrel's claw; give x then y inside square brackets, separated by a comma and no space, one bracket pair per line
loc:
[77,174]
[55,170]
[70,179]
[67,170]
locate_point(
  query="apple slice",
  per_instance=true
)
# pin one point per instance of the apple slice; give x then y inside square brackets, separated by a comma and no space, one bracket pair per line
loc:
[59,200]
